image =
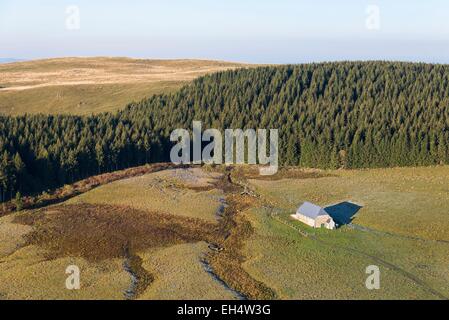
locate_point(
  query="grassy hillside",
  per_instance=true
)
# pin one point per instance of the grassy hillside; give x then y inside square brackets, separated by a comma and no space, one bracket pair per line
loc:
[144,193]
[92,85]
[412,202]
[172,209]
[402,228]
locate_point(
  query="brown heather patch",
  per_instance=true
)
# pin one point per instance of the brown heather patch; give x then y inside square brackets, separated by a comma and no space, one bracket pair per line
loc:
[101,232]
[98,232]
[69,191]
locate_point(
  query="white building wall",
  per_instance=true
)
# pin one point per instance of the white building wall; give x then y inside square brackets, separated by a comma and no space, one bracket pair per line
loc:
[321,220]
[306,220]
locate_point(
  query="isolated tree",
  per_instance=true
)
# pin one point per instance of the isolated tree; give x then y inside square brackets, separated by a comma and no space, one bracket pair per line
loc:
[18,201]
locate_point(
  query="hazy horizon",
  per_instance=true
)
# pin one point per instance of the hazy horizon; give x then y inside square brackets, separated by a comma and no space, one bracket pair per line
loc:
[15,60]
[250,31]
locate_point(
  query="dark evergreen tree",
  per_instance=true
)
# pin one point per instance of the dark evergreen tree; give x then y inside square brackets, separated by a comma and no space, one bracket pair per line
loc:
[329,115]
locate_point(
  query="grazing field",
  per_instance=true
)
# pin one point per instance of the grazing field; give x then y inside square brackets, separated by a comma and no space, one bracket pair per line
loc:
[332,265]
[402,228]
[225,233]
[405,201]
[170,191]
[179,275]
[91,85]
[26,271]
[156,236]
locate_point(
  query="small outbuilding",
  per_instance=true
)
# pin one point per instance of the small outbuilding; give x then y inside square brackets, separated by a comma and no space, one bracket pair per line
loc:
[314,216]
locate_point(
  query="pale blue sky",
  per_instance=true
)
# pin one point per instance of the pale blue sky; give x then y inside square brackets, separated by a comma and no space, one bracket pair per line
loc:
[261,31]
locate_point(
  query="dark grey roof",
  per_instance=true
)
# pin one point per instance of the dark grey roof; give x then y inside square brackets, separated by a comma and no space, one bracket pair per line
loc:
[311,210]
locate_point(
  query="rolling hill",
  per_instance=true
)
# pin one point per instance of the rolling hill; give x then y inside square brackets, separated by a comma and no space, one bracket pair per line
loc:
[330,115]
[92,85]
[161,231]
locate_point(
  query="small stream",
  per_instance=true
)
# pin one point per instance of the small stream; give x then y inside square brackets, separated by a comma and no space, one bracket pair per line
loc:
[131,292]
[207,267]
[140,278]
[210,271]
[221,209]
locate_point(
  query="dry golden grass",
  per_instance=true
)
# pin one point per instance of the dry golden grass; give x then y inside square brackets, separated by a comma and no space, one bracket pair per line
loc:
[92,235]
[11,235]
[69,191]
[167,191]
[80,99]
[99,240]
[179,274]
[405,210]
[192,193]
[28,274]
[163,221]
[91,85]
[297,267]
[407,201]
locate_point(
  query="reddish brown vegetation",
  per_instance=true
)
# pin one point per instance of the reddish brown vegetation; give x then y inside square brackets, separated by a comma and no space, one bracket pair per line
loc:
[69,191]
[97,232]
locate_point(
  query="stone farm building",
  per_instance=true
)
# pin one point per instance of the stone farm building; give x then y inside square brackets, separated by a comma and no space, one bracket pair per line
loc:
[314,216]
